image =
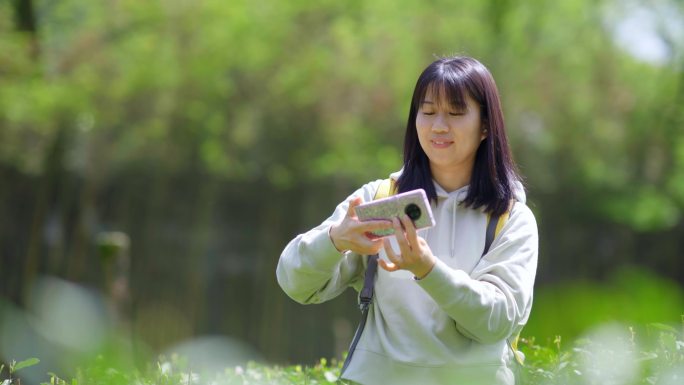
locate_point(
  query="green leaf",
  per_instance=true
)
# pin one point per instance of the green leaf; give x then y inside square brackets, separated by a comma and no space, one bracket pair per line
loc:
[647,356]
[664,327]
[26,363]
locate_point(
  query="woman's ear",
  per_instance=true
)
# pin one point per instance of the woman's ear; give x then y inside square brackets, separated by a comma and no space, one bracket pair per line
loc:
[484,132]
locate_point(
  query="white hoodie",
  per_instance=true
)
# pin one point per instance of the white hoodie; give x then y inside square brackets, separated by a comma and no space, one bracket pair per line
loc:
[449,327]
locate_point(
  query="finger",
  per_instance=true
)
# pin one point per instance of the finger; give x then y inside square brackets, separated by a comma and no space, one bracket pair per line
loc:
[388,266]
[410,229]
[422,242]
[404,246]
[374,225]
[374,246]
[391,255]
[366,246]
[351,211]
[372,236]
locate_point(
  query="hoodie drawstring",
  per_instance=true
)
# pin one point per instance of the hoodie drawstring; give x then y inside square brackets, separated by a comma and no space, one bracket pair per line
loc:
[452,202]
[452,254]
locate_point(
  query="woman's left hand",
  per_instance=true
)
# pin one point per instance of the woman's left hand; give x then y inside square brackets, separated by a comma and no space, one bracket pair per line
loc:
[415,254]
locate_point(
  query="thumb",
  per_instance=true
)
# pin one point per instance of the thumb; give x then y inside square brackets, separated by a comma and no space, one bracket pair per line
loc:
[351,211]
[388,266]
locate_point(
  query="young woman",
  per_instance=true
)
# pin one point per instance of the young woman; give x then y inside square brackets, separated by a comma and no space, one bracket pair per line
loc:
[442,312]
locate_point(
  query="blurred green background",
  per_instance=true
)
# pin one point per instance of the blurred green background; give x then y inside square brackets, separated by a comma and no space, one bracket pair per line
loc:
[162,153]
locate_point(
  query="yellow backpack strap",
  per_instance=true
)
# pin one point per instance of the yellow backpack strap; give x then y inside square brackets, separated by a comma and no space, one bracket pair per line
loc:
[513,345]
[502,221]
[513,340]
[387,187]
[494,226]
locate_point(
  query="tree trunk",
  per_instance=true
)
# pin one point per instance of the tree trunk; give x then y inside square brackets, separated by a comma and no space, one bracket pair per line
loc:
[25,20]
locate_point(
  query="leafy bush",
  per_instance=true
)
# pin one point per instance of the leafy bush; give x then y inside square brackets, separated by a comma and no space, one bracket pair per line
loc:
[611,354]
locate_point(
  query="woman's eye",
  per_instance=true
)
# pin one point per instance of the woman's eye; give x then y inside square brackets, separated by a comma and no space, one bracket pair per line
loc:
[456,113]
[428,113]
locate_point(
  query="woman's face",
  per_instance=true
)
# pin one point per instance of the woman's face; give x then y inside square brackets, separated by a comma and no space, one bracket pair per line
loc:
[449,136]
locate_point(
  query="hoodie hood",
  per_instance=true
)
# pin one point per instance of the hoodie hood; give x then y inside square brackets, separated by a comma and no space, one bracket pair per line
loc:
[459,195]
[451,201]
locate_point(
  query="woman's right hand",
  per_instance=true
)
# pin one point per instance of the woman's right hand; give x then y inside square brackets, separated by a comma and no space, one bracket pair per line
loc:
[352,234]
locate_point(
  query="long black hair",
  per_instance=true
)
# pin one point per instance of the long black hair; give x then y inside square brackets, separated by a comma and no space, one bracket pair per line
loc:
[494,172]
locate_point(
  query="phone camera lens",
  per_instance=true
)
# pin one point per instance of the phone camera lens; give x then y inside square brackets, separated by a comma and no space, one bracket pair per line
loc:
[413,211]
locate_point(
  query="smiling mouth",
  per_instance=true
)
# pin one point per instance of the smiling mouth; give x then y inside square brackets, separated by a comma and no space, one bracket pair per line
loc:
[441,143]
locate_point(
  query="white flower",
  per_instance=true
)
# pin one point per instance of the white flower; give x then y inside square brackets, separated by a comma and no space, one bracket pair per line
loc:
[190,378]
[330,376]
[165,368]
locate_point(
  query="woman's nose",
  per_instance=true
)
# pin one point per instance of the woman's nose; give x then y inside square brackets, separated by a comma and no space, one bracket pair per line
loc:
[440,124]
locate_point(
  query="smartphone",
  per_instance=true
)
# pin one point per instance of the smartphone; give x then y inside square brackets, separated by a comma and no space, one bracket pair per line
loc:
[412,203]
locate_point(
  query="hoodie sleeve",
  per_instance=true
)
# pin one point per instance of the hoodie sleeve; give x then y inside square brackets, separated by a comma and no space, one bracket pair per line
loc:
[311,270]
[495,300]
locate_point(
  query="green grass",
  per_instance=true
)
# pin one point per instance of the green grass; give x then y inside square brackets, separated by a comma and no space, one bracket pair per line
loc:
[610,354]
[629,295]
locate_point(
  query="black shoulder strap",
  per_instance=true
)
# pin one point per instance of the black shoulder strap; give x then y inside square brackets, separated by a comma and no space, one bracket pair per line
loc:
[366,294]
[365,299]
[491,233]
[386,188]
[493,223]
